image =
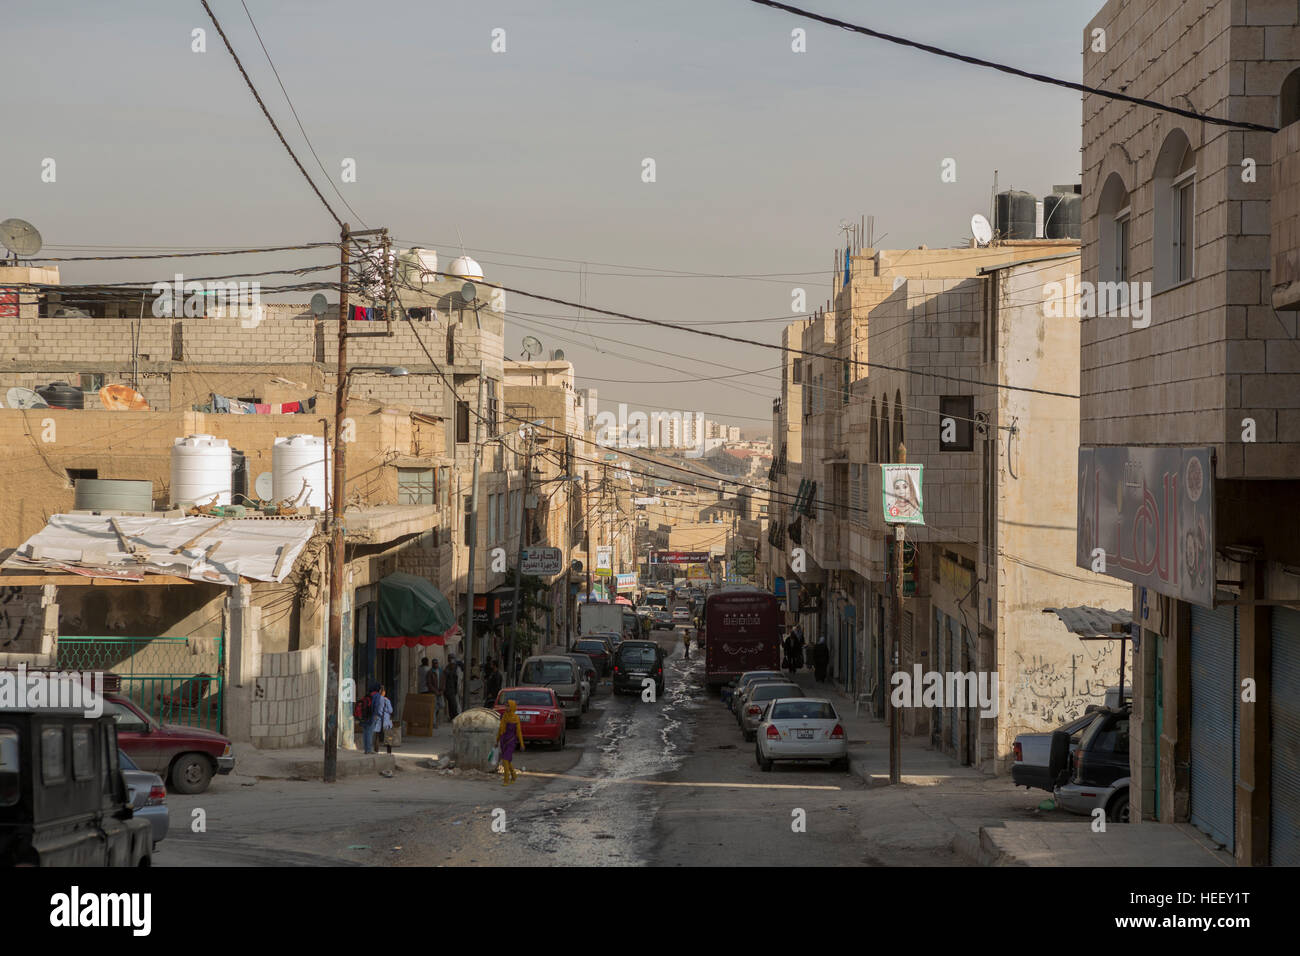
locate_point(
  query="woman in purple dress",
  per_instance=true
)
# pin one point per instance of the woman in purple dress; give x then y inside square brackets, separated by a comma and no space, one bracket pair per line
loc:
[510,737]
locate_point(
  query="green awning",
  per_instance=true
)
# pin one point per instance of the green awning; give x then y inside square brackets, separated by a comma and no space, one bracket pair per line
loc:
[412,611]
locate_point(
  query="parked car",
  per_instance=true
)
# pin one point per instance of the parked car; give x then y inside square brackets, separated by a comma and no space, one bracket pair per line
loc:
[614,638]
[663,616]
[598,650]
[752,710]
[63,798]
[148,796]
[801,729]
[681,615]
[1099,767]
[731,687]
[589,677]
[185,757]
[562,675]
[1032,754]
[540,713]
[742,693]
[634,661]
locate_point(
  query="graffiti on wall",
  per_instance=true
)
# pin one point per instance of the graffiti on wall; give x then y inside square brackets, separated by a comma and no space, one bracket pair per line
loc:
[20,619]
[1046,691]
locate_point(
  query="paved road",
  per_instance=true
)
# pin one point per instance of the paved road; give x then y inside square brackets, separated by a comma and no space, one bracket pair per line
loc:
[668,782]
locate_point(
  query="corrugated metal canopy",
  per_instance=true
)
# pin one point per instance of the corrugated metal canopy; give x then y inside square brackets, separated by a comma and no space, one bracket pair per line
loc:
[1091,621]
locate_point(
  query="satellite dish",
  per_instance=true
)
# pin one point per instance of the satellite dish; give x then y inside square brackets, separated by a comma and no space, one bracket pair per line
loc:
[319,304]
[532,346]
[468,292]
[263,486]
[980,229]
[899,282]
[557,355]
[19,397]
[20,237]
[122,398]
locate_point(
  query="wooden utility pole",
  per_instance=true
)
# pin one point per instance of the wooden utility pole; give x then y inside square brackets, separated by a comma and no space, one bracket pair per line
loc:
[896,629]
[519,557]
[334,635]
[471,539]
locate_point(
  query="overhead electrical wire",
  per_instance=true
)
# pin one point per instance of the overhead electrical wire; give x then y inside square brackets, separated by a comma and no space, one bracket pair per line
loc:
[185,255]
[265,112]
[1015,71]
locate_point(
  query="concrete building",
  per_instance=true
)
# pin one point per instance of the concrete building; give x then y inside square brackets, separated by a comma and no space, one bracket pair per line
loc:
[1190,419]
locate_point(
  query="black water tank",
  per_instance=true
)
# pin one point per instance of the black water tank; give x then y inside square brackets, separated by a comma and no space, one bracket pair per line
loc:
[62,395]
[1016,213]
[238,476]
[1062,216]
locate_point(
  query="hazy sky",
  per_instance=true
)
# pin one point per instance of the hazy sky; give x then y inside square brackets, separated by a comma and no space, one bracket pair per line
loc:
[760,152]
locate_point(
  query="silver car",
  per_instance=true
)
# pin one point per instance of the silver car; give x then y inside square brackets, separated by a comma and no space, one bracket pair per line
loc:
[731,693]
[751,709]
[147,795]
[743,691]
[562,675]
[805,728]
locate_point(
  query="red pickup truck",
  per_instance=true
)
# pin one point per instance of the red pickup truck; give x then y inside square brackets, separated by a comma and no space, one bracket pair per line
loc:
[186,757]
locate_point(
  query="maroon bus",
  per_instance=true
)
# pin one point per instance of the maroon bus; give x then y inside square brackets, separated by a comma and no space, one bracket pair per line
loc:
[742,629]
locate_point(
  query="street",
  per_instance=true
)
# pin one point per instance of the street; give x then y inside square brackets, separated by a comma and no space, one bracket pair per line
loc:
[665,783]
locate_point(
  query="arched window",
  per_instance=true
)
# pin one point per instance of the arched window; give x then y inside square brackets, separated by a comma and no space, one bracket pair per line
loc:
[886,449]
[875,435]
[1288,100]
[1175,210]
[898,418]
[1113,216]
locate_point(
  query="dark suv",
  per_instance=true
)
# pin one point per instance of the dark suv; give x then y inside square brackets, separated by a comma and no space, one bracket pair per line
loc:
[634,661]
[1098,768]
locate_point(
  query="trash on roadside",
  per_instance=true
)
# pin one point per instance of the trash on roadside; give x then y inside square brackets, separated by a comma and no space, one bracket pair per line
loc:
[359,846]
[385,773]
[1047,805]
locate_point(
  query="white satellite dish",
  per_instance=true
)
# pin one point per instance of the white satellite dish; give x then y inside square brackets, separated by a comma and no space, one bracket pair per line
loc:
[19,397]
[899,282]
[532,346]
[263,486]
[319,304]
[981,230]
[20,237]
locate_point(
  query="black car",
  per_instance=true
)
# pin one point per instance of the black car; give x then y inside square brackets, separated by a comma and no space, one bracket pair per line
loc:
[1099,774]
[634,661]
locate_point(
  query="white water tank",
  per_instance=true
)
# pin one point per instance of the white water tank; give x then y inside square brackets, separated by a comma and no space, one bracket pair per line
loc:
[200,471]
[417,266]
[293,460]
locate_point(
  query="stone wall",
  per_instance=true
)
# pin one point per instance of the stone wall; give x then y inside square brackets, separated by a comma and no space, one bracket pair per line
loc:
[287,700]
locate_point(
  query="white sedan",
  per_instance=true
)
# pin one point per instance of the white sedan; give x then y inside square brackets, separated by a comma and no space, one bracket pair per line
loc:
[801,728]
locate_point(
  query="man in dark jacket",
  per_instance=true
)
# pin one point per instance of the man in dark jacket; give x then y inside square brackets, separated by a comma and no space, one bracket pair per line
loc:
[451,686]
[821,656]
[491,685]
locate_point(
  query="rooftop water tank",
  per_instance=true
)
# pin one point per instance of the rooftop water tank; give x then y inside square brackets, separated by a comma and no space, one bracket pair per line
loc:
[62,395]
[1062,216]
[294,460]
[1016,211]
[200,471]
[113,494]
[416,266]
[465,268]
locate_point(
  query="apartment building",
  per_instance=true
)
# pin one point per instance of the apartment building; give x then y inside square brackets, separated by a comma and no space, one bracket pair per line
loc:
[1190,420]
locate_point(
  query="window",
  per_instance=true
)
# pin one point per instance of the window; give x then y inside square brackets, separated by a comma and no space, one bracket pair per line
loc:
[125,718]
[462,423]
[444,483]
[75,474]
[492,519]
[956,425]
[898,419]
[493,408]
[53,764]
[1174,182]
[873,446]
[83,752]
[886,449]
[469,517]
[1121,233]
[10,767]
[451,344]
[91,381]
[415,486]
[796,371]
[1114,215]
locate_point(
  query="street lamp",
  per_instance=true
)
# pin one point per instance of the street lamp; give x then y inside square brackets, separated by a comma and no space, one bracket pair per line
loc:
[334,636]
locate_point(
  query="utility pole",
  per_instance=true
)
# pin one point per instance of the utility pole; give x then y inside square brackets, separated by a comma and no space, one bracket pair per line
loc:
[334,635]
[519,556]
[896,718]
[586,529]
[471,538]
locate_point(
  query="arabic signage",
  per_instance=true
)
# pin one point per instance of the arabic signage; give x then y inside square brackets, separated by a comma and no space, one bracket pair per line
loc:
[9,303]
[491,609]
[744,563]
[1149,512]
[900,492]
[543,561]
[645,501]
[679,557]
[625,582]
[604,560]
[698,572]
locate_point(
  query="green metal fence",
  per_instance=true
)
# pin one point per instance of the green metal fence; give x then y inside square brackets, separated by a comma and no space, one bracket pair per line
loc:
[175,680]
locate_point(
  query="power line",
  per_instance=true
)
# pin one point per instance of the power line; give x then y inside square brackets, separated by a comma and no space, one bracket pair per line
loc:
[265,112]
[329,179]
[1015,71]
[185,255]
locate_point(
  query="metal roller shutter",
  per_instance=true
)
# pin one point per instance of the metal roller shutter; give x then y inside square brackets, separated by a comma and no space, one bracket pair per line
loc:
[1284,711]
[1214,705]
[954,665]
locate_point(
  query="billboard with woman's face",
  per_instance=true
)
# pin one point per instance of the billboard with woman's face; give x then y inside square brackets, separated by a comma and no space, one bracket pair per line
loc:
[900,487]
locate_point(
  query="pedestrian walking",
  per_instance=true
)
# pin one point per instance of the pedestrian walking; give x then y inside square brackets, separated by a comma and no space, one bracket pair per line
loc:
[381,719]
[422,677]
[491,685]
[433,685]
[821,656]
[510,736]
[686,643]
[796,648]
[451,686]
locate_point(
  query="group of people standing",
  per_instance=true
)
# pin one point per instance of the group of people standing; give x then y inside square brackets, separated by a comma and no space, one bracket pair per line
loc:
[794,646]
[443,683]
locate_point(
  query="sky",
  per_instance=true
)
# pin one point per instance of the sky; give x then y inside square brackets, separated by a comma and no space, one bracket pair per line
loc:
[532,159]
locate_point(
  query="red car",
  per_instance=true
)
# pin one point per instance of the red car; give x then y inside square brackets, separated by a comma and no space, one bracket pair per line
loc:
[597,649]
[540,713]
[185,757]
